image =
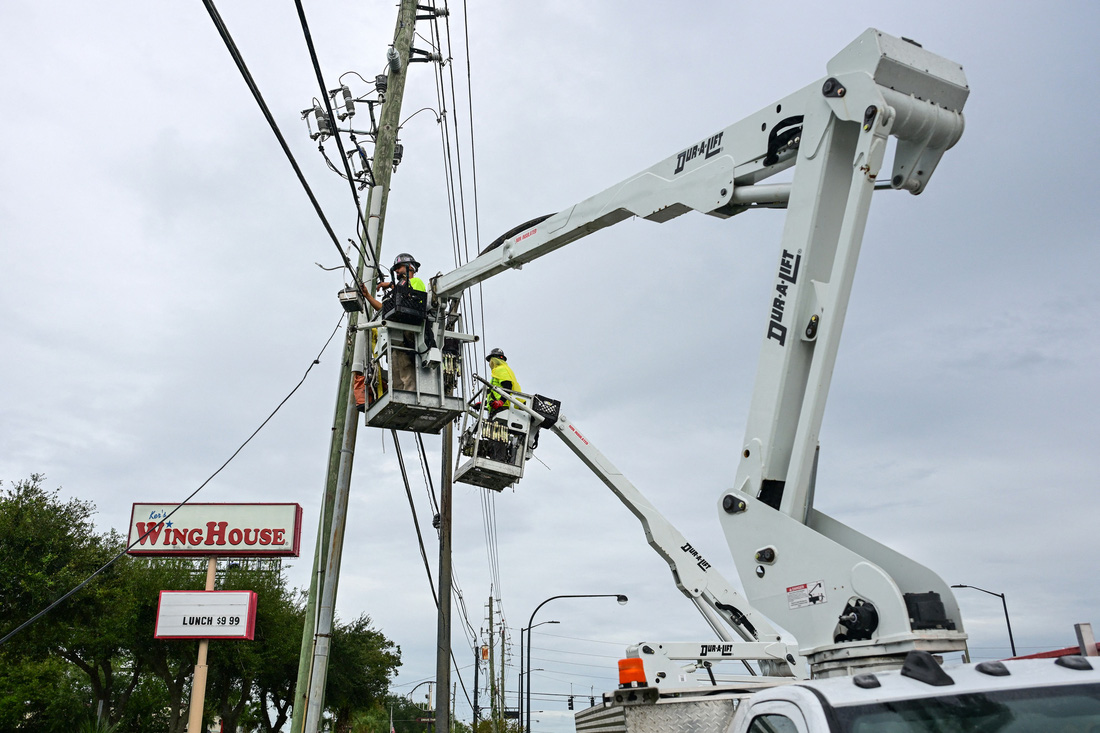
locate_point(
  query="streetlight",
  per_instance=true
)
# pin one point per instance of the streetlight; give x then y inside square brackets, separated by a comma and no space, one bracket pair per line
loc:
[429,709]
[519,703]
[536,669]
[1008,623]
[531,624]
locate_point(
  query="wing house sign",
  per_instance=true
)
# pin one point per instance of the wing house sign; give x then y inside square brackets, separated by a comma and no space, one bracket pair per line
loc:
[224,530]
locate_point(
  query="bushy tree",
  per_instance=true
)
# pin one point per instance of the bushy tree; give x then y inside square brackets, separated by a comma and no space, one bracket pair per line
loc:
[363,662]
[48,546]
[92,662]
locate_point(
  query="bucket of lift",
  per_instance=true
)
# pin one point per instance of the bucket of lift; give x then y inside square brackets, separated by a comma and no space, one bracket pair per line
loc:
[410,381]
[494,448]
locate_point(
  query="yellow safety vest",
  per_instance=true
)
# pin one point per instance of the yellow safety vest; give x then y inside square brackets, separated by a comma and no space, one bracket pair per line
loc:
[503,373]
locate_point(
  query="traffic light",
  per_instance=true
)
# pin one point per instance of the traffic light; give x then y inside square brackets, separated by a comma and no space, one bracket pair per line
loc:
[570,702]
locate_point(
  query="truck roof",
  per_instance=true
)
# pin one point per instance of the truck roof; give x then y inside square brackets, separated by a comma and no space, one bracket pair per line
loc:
[917,681]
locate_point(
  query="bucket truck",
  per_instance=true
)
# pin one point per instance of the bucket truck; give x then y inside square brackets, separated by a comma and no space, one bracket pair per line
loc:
[866,621]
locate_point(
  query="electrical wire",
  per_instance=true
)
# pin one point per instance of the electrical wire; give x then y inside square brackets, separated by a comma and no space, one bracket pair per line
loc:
[416,522]
[336,134]
[473,148]
[423,552]
[252,87]
[453,178]
[191,496]
[428,485]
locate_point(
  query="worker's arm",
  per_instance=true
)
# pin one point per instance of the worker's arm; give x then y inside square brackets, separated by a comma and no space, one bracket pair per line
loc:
[375,302]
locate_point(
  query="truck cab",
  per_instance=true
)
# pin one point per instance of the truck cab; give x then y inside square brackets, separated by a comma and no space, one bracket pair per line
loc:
[1013,696]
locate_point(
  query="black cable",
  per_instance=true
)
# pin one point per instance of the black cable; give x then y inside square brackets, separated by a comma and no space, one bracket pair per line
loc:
[117,557]
[335,134]
[430,486]
[232,48]
[473,156]
[416,522]
[423,552]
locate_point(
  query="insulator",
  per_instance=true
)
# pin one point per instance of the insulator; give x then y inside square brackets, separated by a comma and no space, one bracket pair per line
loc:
[349,103]
[381,83]
[324,129]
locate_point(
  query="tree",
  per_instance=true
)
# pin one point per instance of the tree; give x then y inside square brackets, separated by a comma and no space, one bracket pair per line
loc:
[171,662]
[405,715]
[264,668]
[47,547]
[92,661]
[41,696]
[362,663]
[275,679]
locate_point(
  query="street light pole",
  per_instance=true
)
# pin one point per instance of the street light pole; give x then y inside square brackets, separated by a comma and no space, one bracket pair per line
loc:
[531,624]
[1011,641]
[519,702]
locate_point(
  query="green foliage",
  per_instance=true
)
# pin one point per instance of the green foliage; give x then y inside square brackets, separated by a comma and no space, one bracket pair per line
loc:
[362,662]
[95,725]
[504,726]
[244,672]
[96,650]
[47,546]
[405,715]
[41,696]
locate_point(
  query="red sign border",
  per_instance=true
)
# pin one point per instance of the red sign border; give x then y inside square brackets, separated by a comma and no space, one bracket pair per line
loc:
[220,550]
[250,627]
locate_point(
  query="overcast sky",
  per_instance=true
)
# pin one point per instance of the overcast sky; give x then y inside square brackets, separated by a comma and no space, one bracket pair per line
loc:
[159,297]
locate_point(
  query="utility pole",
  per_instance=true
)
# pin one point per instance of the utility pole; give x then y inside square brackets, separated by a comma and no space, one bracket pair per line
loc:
[443,629]
[477,666]
[492,670]
[316,632]
[503,697]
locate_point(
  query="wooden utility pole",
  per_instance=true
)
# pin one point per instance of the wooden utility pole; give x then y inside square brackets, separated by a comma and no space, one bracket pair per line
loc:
[492,670]
[503,687]
[316,633]
[443,629]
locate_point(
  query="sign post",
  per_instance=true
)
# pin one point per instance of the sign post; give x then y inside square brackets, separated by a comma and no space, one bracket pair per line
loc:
[198,686]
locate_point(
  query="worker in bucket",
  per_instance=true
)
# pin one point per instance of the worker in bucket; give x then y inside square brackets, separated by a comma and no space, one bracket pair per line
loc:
[502,376]
[403,370]
[404,267]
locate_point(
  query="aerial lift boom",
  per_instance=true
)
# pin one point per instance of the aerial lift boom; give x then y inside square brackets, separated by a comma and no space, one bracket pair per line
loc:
[715,597]
[849,601]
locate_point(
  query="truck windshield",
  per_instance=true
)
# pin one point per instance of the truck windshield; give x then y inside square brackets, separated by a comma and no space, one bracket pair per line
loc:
[1069,709]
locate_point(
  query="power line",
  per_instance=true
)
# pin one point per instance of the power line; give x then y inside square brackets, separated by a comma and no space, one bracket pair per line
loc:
[336,135]
[231,46]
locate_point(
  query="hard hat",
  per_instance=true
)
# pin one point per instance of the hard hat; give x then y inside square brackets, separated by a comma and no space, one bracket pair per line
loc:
[498,353]
[405,259]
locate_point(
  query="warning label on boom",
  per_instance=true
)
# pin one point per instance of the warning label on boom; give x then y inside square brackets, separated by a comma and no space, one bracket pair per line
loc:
[806,594]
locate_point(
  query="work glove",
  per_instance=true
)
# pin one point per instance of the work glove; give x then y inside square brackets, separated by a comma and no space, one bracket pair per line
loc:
[496,404]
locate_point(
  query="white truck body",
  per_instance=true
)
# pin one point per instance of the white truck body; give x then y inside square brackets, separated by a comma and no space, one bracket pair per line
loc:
[1014,696]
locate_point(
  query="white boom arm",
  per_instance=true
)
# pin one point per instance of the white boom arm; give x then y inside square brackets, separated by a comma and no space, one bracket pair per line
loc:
[719,603]
[838,592]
